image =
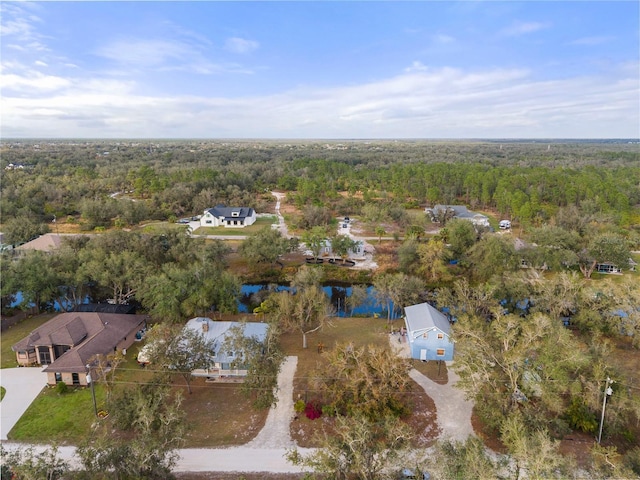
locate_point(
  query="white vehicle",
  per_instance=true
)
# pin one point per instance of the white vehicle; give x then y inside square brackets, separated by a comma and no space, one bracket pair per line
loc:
[407,473]
[505,224]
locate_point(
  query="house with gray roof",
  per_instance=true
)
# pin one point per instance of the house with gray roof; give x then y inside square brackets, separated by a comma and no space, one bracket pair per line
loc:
[69,341]
[428,333]
[44,243]
[458,211]
[227,364]
[228,217]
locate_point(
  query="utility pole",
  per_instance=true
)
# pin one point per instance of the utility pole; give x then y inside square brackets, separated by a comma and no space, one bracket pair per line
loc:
[607,392]
[93,389]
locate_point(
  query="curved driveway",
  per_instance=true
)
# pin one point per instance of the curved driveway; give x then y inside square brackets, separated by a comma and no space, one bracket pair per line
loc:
[453,410]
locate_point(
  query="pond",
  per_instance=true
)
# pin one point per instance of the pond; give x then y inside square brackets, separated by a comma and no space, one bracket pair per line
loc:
[18,298]
[252,294]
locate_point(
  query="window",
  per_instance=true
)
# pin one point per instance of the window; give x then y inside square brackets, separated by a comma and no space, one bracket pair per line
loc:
[45,356]
[440,336]
[208,221]
[58,377]
[425,335]
[440,352]
[75,378]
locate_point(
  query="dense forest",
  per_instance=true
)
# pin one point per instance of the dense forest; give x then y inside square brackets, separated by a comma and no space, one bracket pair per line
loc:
[526,182]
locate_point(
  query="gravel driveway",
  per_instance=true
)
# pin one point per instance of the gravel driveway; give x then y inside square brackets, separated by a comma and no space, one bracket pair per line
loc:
[276,433]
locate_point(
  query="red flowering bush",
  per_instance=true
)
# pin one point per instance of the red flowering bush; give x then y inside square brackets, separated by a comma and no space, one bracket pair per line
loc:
[312,410]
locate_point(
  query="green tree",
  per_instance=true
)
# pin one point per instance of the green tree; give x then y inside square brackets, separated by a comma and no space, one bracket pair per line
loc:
[314,240]
[122,272]
[178,349]
[505,362]
[28,464]
[358,449]
[455,460]
[431,263]
[34,276]
[408,258]
[22,229]
[306,310]
[264,246]
[461,235]
[150,426]
[492,255]
[341,245]
[606,247]
[369,380]
[380,231]
[534,454]
[397,290]
[262,360]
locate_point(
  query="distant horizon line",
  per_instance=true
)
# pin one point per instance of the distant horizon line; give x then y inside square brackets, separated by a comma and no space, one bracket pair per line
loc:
[328,139]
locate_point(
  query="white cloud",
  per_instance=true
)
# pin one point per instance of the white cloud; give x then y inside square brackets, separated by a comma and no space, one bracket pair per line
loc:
[590,41]
[240,45]
[34,83]
[523,28]
[416,66]
[144,53]
[132,55]
[443,39]
[40,63]
[421,103]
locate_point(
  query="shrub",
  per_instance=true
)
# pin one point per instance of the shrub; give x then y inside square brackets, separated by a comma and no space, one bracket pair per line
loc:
[579,416]
[312,410]
[329,410]
[61,388]
[299,406]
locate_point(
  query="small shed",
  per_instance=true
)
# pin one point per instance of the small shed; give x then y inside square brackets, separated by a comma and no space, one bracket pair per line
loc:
[428,333]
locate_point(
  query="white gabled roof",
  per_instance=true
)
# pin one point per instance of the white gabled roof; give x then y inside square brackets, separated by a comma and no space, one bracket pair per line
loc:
[425,317]
[217,332]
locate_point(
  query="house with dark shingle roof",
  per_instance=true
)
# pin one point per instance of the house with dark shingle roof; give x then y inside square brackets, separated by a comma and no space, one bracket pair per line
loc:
[69,341]
[228,217]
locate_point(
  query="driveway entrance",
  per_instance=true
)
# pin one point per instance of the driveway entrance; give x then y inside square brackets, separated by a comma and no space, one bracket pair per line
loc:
[23,385]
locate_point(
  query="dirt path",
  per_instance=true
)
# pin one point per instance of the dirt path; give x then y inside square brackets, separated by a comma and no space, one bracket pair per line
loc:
[281,225]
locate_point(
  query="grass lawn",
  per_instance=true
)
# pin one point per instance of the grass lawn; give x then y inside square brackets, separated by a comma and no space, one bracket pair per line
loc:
[60,418]
[159,227]
[218,414]
[14,334]
[260,223]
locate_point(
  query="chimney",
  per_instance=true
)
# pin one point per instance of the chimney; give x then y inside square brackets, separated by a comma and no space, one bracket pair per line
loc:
[205,326]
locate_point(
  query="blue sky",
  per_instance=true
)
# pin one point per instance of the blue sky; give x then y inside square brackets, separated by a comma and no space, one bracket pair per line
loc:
[385,69]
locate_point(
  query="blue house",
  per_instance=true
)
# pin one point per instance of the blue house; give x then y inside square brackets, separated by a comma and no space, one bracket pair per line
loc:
[428,333]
